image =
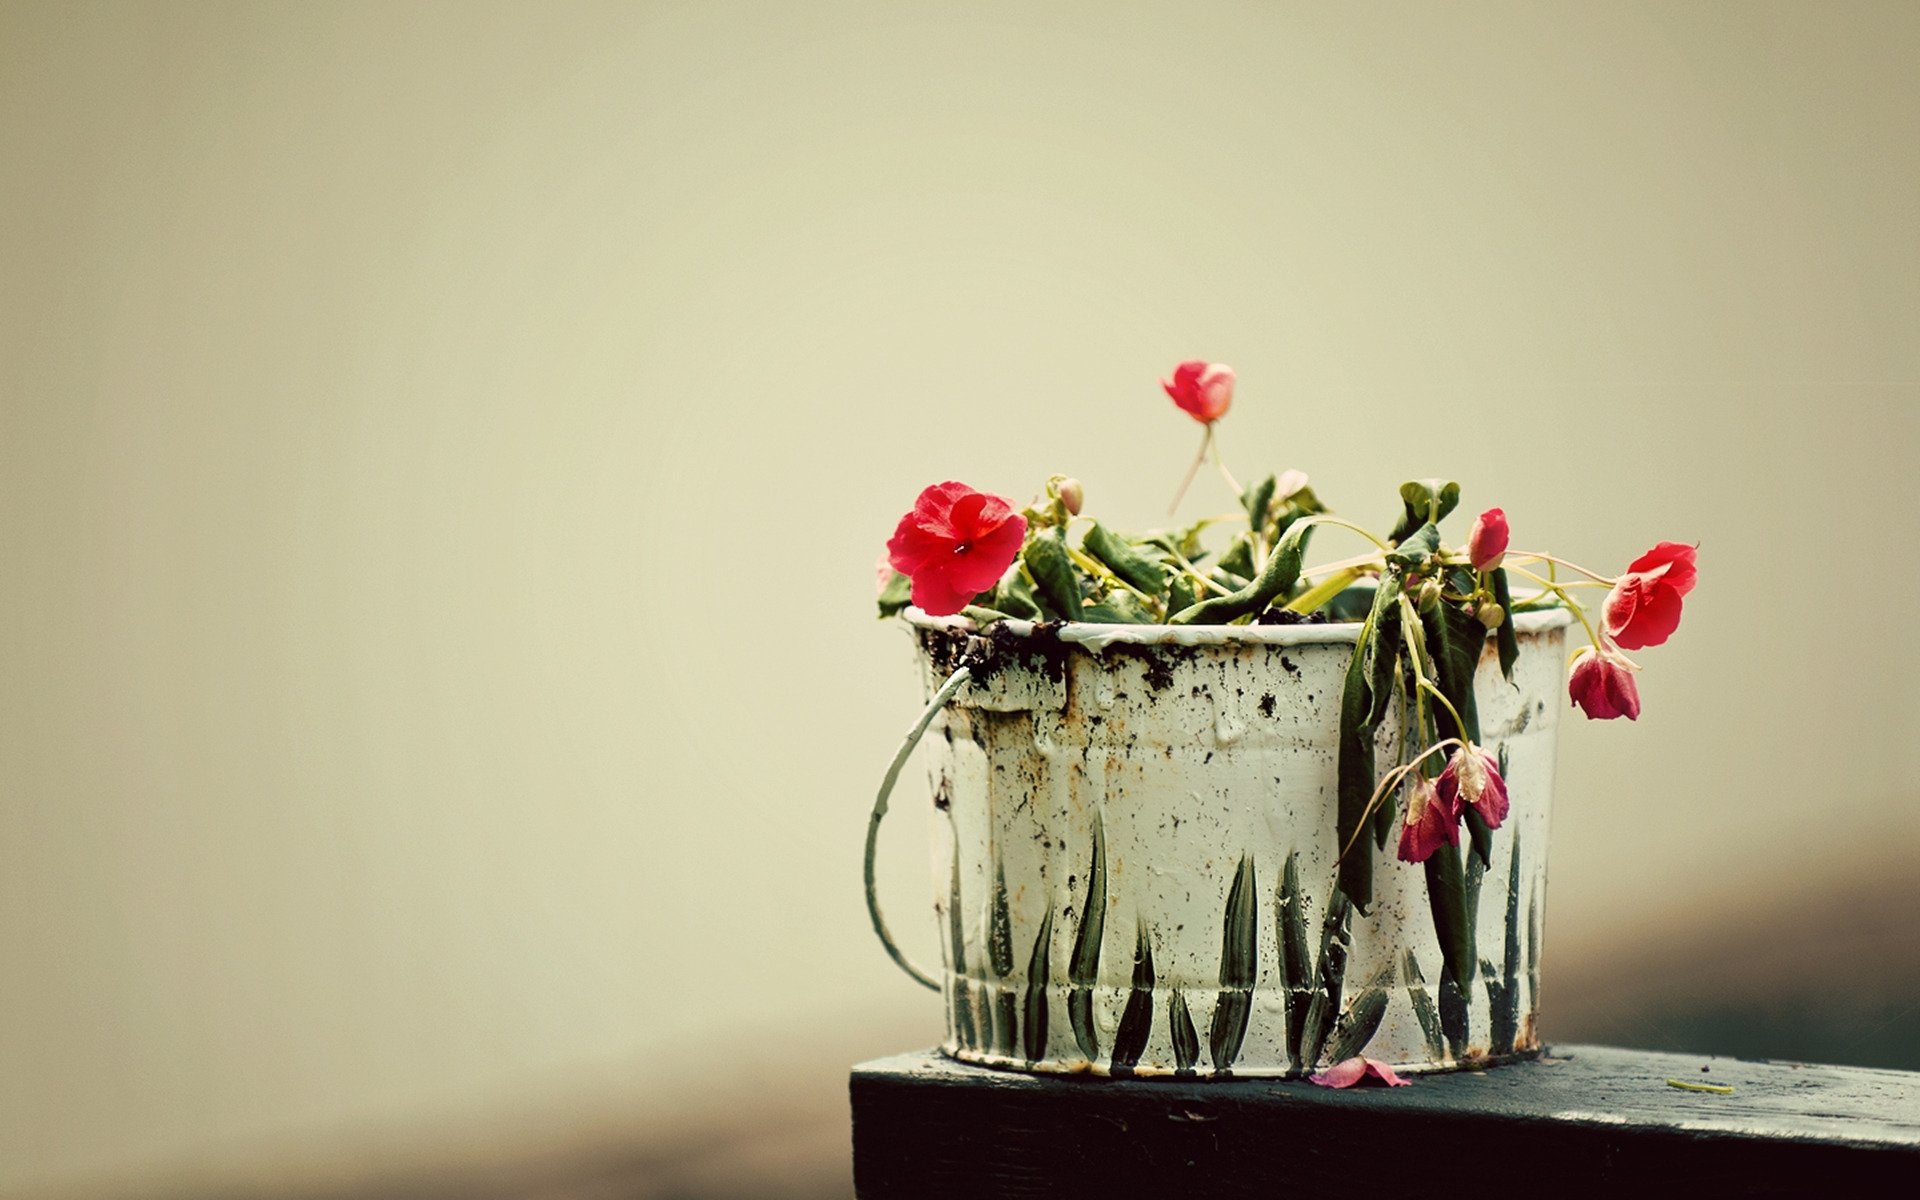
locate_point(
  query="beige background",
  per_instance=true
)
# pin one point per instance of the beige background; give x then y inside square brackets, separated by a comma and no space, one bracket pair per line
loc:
[443,450]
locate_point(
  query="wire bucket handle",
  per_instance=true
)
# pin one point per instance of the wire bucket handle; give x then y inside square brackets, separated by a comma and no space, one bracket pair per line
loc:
[946,692]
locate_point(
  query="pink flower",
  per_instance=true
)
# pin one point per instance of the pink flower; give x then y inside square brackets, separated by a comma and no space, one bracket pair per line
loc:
[1428,821]
[1472,780]
[955,544]
[1487,540]
[1350,1072]
[1602,685]
[1203,389]
[1643,609]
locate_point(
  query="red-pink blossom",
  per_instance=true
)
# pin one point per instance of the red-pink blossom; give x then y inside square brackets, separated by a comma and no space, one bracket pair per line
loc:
[1643,609]
[1472,780]
[1487,540]
[1203,389]
[1351,1071]
[955,544]
[1602,685]
[1428,822]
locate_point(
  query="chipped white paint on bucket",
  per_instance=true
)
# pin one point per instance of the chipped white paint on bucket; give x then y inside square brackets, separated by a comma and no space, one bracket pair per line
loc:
[1159,766]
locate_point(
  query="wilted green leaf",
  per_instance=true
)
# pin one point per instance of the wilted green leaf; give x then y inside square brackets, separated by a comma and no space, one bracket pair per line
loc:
[1256,500]
[1276,578]
[1056,584]
[1126,561]
[1507,639]
[1424,501]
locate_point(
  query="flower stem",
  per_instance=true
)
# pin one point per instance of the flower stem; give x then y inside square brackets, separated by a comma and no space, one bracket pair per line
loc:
[1598,578]
[1561,592]
[1211,444]
[1180,493]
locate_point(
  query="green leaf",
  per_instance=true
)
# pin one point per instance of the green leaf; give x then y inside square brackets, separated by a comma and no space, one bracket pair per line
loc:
[1119,608]
[1038,970]
[1507,639]
[1417,547]
[1014,597]
[1256,500]
[1083,965]
[1186,1042]
[1424,501]
[1136,1020]
[1238,560]
[1124,560]
[1180,594]
[1454,641]
[895,597]
[1296,961]
[1057,586]
[1336,941]
[1239,964]
[1363,700]
[1423,1009]
[1276,578]
[1452,919]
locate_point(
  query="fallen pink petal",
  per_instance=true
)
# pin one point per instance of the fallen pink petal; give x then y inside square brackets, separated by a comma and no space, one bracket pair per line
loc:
[1356,1070]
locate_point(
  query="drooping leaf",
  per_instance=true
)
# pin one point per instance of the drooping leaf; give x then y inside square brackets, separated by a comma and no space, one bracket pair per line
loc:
[1362,1017]
[1423,1009]
[1034,1014]
[1506,638]
[1239,963]
[1335,944]
[1276,578]
[1452,922]
[1363,700]
[1238,559]
[1423,501]
[1083,965]
[1056,586]
[1186,1042]
[1296,960]
[1120,557]
[1180,594]
[1136,1020]
[895,597]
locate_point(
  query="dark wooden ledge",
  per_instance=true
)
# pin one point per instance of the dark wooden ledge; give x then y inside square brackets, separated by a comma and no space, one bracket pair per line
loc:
[1583,1120]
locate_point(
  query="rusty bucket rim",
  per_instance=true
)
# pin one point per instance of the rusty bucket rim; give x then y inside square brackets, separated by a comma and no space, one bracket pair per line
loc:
[1095,636]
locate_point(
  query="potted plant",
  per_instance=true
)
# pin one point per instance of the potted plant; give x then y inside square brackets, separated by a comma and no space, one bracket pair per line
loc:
[1204,809]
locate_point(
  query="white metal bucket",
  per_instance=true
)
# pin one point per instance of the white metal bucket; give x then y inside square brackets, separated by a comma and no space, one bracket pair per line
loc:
[1180,785]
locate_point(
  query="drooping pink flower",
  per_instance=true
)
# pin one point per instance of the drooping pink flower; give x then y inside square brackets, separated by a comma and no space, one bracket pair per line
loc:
[1643,609]
[1202,389]
[1351,1071]
[1487,540]
[1472,780]
[955,544]
[1602,685]
[1428,822]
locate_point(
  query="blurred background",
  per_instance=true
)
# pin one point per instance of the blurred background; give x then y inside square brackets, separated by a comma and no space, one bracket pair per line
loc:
[444,449]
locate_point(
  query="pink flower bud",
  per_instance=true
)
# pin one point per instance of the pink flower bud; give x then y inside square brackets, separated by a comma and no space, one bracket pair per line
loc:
[1487,540]
[1072,496]
[1602,685]
[1202,389]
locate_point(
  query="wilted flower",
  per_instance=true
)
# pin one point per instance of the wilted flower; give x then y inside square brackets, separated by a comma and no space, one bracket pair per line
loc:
[1202,389]
[1643,609]
[1428,822]
[1602,685]
[955,544]
[1472,780]
[1487,540]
